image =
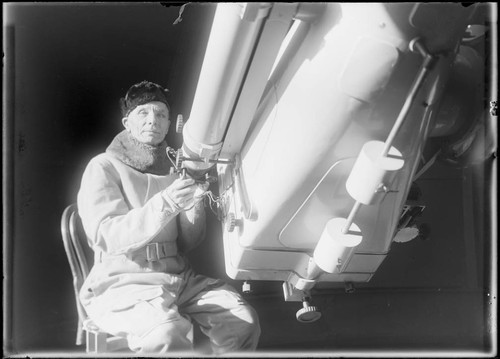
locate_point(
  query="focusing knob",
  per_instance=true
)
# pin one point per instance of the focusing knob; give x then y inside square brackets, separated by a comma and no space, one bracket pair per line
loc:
[230,222]
[179,125]
[308,314]
[178,159]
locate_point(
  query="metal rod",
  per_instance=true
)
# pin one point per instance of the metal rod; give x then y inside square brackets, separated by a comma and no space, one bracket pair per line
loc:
[209,161]
[424,70]
[415,46]
[350,219]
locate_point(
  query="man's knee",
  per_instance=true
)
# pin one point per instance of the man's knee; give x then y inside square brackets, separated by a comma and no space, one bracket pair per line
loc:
[250,330]
[165,337]
[241,329]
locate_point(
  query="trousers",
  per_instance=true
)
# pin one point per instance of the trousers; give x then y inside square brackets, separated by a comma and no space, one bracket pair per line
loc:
[164,324]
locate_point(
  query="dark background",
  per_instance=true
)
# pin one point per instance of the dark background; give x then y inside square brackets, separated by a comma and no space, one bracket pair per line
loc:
[66,67]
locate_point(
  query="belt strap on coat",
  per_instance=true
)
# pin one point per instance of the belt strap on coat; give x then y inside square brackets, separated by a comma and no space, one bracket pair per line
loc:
[152,252]
[158,250]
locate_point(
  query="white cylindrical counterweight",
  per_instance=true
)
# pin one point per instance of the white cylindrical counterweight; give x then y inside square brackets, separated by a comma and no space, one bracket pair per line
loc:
[335,248]
[372,171]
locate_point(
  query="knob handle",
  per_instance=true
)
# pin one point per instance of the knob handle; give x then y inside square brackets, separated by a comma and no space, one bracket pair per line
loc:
[230,222]
[178,159]
[308,314]
[246,287]
[179,125]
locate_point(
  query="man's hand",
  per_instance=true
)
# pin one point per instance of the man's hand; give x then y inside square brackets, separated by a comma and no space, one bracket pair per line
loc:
[181,193]
[184,193]
[202,187]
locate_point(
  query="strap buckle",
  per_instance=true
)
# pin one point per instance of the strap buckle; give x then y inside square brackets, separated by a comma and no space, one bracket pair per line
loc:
[153,252]
[159,250]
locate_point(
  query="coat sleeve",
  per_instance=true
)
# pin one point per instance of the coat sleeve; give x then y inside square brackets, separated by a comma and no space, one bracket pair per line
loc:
[192,227]
[109,222]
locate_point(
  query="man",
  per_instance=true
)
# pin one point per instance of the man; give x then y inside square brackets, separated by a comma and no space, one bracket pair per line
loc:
[141,222]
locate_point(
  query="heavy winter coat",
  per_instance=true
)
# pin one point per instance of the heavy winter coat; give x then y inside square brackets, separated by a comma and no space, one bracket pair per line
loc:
[122,212]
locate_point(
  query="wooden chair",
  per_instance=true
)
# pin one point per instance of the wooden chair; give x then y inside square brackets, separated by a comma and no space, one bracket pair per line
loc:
[80,255]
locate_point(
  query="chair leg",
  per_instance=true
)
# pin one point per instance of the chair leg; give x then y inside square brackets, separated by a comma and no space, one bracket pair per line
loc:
[96,341]
[79,332]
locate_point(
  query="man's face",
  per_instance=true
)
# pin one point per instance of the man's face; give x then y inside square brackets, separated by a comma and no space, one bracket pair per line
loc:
[148,123]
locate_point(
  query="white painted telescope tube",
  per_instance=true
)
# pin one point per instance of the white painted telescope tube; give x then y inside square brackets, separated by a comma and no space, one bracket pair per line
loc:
[372,170]
[334,248]
[229,50]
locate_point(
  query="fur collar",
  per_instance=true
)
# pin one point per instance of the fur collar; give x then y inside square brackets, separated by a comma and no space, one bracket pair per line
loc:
[140,156]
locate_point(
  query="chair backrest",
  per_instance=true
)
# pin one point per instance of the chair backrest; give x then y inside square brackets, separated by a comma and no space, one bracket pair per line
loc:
[80,256]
